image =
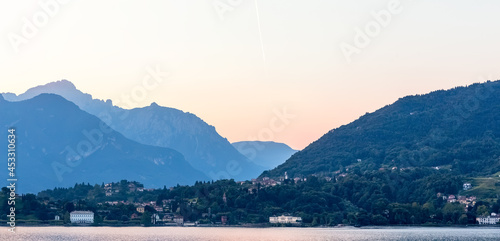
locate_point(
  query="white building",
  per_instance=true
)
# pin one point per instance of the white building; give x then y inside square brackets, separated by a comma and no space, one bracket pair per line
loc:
[285,219]
[155,218]
[81,217]
[179,220]
[492,219]
[467,186]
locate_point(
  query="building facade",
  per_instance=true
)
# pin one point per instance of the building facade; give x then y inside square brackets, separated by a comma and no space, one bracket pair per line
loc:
[285,219]
[82,217]
[492,219]
[179,220]
[140,209]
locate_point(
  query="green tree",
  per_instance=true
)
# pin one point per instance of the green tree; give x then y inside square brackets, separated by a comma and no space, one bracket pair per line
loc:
[98,219]
[362,218]
[69,207]
[315,222]
[146,219]
[379,220]
[452,212]
[483,210]
[463,219]
[67,217]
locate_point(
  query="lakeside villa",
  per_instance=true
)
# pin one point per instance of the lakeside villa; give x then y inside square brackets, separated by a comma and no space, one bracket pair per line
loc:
[492,219]
[82,217]
[285,219]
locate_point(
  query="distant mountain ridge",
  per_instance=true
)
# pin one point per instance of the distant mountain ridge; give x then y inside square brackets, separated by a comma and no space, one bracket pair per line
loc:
[59,145]
[199,142]
[265,153]
[457,129]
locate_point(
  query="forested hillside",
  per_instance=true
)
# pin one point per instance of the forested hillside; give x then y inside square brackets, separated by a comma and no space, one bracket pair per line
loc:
[457,129]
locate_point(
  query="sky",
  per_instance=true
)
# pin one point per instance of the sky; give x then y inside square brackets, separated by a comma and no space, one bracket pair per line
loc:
[274,70]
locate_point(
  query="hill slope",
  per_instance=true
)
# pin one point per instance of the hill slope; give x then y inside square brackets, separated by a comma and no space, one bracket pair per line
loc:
[59,145]
[457,129]
[199,142]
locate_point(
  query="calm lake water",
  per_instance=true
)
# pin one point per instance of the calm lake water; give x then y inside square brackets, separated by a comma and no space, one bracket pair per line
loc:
[251,234]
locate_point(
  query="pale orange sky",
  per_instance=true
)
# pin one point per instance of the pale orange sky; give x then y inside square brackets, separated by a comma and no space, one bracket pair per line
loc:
[234,69]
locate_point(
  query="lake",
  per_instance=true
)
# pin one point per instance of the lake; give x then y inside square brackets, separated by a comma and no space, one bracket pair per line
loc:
[250,234]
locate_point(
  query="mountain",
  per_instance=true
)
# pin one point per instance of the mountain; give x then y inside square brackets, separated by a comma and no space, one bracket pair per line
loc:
[265,153]
[199,142]
[456,130]
[58,144]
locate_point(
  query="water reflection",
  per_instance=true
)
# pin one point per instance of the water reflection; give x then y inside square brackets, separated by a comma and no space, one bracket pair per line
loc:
[250,234]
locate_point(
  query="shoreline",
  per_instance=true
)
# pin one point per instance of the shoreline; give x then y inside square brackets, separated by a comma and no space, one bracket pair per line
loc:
[497,226]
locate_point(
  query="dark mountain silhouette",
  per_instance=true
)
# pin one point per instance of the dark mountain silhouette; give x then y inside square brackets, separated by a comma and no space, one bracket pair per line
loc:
[155,125]
[59,145]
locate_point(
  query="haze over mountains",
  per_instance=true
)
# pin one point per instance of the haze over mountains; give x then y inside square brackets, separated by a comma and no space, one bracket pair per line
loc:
[392,166]
[154,125]
[265,153]
[456,130]
[58,145]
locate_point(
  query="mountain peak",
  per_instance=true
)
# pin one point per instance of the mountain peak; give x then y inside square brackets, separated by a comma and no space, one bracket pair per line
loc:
[62,84]
[48,96]
[54,125]
[157,125]
[62,87]
[55,99]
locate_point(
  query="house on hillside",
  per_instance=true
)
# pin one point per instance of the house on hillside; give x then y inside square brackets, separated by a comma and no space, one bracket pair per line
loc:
[140,209]
[179,220]
[467,186]
[168,218]
[132,187]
